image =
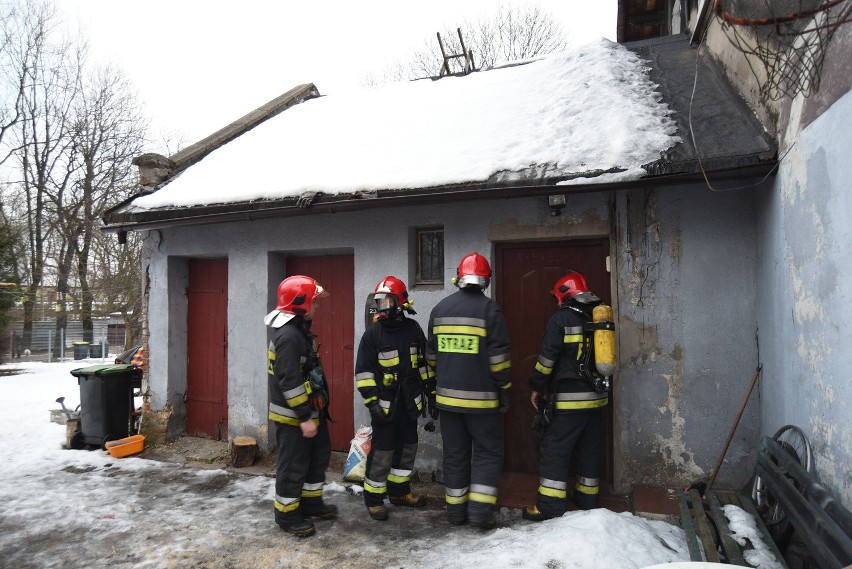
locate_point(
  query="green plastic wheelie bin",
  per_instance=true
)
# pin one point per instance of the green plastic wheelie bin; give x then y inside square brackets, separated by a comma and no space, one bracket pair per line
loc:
[106,400]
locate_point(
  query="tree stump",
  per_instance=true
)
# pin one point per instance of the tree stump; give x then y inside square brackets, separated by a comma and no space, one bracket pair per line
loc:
[242,451]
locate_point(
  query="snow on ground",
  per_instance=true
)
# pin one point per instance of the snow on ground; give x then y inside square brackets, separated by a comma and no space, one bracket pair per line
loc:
[77,508]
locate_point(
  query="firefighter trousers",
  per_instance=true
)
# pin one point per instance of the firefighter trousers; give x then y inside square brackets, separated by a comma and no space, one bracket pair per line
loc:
[300,473]
[473,461]
[391,458]
[579,435]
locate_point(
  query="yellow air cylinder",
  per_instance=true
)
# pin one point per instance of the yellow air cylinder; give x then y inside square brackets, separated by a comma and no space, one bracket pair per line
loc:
[604,340]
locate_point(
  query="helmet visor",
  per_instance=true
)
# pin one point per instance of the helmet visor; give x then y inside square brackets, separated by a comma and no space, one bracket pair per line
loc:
[385,302]
[586,297]
[473,280]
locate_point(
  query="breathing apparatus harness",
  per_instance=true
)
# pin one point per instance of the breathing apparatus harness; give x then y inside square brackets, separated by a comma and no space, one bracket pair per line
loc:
[593,364]
[597,359]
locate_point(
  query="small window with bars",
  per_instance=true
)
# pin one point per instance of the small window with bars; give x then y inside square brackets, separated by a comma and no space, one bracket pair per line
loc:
[430,256]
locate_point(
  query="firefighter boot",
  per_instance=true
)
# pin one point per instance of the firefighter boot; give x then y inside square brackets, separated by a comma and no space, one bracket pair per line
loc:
[487,523]
[378,512]
[295,524]
[533,514]
[410,500]
[319,510]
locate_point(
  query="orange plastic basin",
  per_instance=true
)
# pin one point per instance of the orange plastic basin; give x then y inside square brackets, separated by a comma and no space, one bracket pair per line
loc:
[126,447]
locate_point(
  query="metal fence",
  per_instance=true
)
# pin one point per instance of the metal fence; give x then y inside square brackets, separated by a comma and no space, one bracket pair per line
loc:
[44,334]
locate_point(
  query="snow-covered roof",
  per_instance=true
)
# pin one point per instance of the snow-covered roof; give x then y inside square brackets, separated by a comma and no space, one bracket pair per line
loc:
[593,115]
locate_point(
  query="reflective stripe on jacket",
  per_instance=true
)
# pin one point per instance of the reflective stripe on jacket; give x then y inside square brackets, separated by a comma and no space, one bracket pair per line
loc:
[557,369]
[397,362]
[287,353]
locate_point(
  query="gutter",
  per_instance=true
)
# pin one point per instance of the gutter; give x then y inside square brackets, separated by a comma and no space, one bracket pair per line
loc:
[746,176]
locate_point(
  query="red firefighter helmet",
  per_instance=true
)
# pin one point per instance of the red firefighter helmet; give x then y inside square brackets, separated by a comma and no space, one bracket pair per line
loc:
[296,296]
[473,270]
[391,296]
[573,285]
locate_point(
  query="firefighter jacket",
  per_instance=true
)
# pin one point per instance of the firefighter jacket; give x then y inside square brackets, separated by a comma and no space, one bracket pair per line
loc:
[469,345]
[391,366]
[292,356]
[563,351]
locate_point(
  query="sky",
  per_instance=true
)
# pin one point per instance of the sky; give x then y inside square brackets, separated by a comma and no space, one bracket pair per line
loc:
[418,134]
[78,508]
[199,65]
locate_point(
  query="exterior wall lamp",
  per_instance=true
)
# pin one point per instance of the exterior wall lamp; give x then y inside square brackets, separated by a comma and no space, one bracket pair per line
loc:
[556,203]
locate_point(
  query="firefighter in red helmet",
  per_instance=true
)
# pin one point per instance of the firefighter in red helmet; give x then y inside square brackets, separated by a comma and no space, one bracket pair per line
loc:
[298,406]
[469,345]
[395,382]
[568,402]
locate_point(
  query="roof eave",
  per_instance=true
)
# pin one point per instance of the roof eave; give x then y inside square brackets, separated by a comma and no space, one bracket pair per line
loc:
[288,207]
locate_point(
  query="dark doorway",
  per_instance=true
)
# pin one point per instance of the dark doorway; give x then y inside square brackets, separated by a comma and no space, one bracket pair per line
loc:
[207,349]
[335,327]
[524,276]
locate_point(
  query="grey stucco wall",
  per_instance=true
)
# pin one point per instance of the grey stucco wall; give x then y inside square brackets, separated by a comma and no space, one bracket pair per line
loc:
[257,253]
[804,311]
[687,328]
[687,343]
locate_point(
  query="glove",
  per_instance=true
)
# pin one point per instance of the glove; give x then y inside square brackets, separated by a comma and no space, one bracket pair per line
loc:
[377,413]
[538,426]
[432,405]
[503,396]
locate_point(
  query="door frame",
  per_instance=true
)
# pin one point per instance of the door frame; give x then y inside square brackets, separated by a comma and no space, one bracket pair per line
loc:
[219,432]
[342,384]
[609,468]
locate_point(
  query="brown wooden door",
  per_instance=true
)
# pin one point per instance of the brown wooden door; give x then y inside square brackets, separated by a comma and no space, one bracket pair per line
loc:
[207,349]
[334,324]
[525,275]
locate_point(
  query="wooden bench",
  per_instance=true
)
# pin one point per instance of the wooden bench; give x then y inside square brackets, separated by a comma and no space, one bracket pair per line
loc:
[704,523]
[822,522]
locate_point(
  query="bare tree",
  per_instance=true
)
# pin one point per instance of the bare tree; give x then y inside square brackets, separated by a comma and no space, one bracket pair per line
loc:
[116,275]
[13,55]
[72,133]
[49,71]
[512,33]
[109,131]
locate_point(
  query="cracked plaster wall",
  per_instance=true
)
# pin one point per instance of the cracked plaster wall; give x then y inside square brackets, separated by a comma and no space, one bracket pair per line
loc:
[687,329]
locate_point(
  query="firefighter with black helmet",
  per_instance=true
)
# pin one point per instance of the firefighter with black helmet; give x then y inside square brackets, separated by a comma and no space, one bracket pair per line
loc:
[569,397]
[469,345]
[298,405]
[392,375]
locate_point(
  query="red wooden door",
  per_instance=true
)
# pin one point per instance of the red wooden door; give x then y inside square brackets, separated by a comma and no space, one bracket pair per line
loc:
[525,275]
[207,349]
[334,325]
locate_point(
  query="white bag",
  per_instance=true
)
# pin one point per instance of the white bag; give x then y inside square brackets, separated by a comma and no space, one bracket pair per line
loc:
[356,463]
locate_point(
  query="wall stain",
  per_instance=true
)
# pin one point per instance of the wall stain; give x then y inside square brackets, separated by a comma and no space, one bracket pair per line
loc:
[572,224]
[638,343]
[678,458]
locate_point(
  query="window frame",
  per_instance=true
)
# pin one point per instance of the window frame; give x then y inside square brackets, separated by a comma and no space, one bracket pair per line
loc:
[418,279]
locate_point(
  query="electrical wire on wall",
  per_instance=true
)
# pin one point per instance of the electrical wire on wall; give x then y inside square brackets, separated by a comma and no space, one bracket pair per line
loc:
[698,55]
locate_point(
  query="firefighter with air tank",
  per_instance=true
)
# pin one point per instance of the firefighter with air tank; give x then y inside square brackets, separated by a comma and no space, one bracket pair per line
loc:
[569,390]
